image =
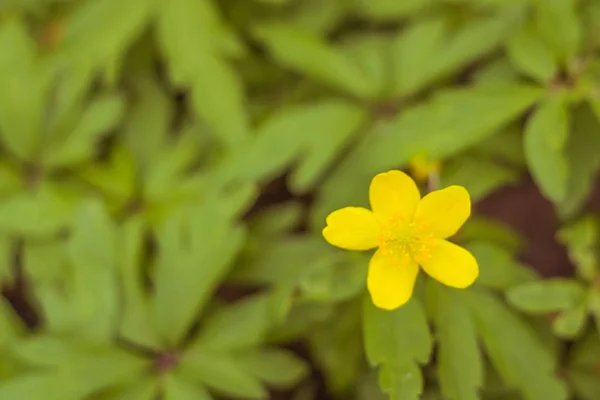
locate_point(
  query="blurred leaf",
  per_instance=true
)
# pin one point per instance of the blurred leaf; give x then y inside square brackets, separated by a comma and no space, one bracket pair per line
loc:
[278,368]
[570,323]
[7,247]
[39,213]
[98,119]
[11,326]
[514,349]
[548,295]
[586,384]
[10,180]
[176,159]
[319,16]
[143,389]
[398,341]
[86,368]
[38,385]
[506,146]
[116,179]
[546,135]
[498,267]
[45,262]
[388,9]
[318,131]
[177,388]
[195,252]
[438,128]
[277,219]
[460,367]
[531,55]
[147,122]
[480,176]
[86,304]
[234,327]
[217,93]
[25,83]
[479,229]
[336,346]
[307,53]
[558,23]
[87,42]
[370,52]
[581,239]
[585,353]
[136,322]
[430,49]
[223,374]
[582,161]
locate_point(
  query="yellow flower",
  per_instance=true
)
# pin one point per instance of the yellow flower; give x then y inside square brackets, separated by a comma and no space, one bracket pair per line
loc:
[407,231]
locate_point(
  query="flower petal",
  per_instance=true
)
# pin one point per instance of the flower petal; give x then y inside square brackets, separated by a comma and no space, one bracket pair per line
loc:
[444,211]
[391,280]
[394,193]
[451,265]
[352,228]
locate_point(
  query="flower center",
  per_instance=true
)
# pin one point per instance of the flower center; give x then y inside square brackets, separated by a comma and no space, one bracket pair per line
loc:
[400,238]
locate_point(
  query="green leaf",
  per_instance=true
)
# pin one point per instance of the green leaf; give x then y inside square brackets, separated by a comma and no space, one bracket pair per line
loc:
[92,251]
[460,368]
[149,115]
[582,161]
[235,327]
[217,93]
[11,326]
[86,42]
[382,10]
[116,179]
[178,388]
[196,249]
[479,229]
[336,346]
[98,119]
[38,385]
[40,213]
[278,368]
[163,175]
[307,53]
[530,54]
[415,52]
[545,139]
[136,324]
[370,52]
[438,128]
[142,389]
[87,368]
[581,239]
[318,131]
[585,352]
[222,374]
[558,23]
[514,349]
[25,85]
[570,323]
[431,49]
[498,267]
[275,220]
[398,341]
[45,262]
[556,294]
[585,384]
[480,176]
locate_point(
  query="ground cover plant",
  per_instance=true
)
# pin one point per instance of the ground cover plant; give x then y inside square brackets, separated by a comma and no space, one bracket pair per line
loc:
[169,170]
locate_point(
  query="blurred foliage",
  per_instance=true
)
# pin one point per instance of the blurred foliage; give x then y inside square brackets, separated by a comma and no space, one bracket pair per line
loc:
[166,168]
